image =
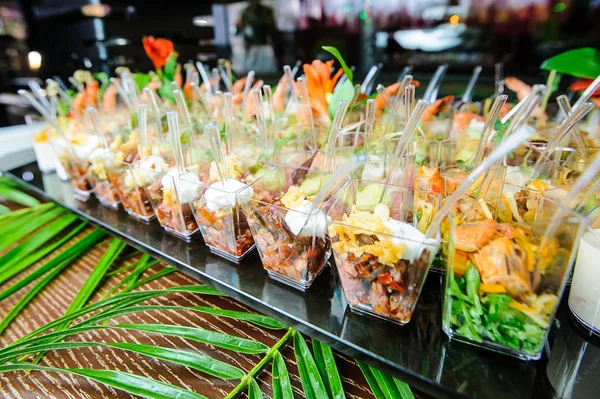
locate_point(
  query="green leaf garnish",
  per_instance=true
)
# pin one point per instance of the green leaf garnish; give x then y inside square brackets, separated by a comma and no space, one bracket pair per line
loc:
[141,80]
[335,52]
[345,91]
[582,63]
[170,67]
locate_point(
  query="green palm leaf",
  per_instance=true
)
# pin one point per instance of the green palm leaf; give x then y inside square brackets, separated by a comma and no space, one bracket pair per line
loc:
[143,265]
[18,196]
[258,319]
[32,293]
[327,368]
[254,390]
[403,389]
[142,386]
[71,253]
[138,296]
[373,384]
[6,217]
[282,388]
[384,386]
[161,273]
[309,374]
[220,340]
[27,247]
[185,358]
[93,280]
[215,339]
[22,227]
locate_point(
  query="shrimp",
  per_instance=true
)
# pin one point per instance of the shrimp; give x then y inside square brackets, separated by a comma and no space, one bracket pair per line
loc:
[437,107]
[258,84]
[279,94]
[91,93]
[520,88]
[471,237]
[179,79]
[391,90]
[238,85]
[187,89]
[503,262]
[109,99]
[462,119]
[238,98]
[78,103]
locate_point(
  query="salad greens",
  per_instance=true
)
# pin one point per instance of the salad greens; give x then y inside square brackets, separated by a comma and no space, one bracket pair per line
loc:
[489,316]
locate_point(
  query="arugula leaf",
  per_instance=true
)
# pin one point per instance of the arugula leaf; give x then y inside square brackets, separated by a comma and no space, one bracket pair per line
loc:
[500,129]
[141,80]
[472,278]
[345,91]
[336,53]
[582,63]
[496,321]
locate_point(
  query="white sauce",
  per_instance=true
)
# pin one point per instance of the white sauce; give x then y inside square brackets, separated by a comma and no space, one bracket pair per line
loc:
[404,234]
[316,224]
[186,185]
[227,195]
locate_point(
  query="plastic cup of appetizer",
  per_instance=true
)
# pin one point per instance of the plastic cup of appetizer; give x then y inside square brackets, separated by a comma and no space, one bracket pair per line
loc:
[504,281]
[170,197]
[75,166]
[584,297]
[217,207]
[101,161]
[292,244]
[381,253]
[130,185]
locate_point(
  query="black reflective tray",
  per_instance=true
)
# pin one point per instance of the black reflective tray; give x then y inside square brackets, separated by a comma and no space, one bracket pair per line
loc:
[418,353]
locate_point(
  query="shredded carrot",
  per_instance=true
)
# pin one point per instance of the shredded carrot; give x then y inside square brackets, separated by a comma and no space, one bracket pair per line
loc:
[492,288]
[523,308]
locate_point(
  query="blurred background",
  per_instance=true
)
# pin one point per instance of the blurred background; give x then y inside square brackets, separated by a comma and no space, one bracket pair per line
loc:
[45,38]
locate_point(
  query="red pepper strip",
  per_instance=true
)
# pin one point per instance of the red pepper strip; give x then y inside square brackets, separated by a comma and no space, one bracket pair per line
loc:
[386,279]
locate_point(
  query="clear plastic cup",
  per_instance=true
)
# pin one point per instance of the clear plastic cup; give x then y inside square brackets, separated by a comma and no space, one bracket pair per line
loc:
[292,244]
[218,208]
[504,280]
[380,250]
[170,197]
[134,196]
[76,168]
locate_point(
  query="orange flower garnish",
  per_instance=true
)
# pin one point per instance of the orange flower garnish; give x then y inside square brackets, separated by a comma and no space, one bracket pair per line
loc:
[320,82]
[158,50]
